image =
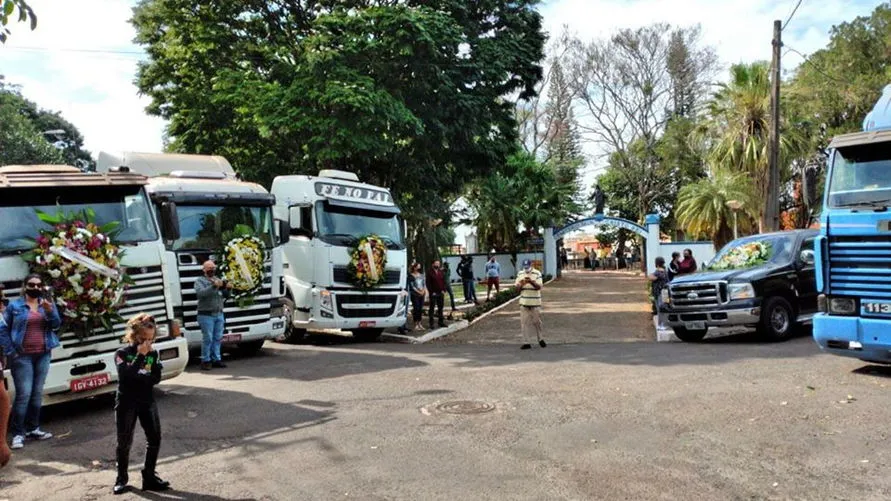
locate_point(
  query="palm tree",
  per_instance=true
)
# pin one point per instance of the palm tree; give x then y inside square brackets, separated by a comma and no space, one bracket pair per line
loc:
[739,128]
[702,207]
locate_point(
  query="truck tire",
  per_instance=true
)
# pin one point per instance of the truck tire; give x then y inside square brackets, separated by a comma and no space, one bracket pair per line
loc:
[292,334]
[251,348]
[367,335]
[777,319]
[688,335]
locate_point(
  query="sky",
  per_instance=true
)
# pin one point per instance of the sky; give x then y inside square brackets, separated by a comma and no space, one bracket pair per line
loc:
[81,60]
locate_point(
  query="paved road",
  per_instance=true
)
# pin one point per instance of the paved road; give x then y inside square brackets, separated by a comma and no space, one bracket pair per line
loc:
[584,307]
[727,419]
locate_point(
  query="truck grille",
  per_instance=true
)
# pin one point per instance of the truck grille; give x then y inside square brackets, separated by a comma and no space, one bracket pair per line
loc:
[860,266]
[145,295]
[697,295]
[391,275]
[354,305]
[237,319]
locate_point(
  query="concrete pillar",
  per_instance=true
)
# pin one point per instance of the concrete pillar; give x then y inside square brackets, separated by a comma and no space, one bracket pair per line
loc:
[654,246]
[550,253]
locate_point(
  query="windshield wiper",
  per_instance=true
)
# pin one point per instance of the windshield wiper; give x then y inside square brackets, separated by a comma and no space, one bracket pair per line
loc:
[347,236]
[880,203]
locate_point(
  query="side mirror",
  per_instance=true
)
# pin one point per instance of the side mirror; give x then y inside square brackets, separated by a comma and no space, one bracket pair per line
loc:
[169,221]
[284,232]
[807,257]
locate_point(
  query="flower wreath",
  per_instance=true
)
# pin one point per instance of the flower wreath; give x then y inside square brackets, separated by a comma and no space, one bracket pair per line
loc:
[83,265]
[368,261]
[243,264]
[744,256]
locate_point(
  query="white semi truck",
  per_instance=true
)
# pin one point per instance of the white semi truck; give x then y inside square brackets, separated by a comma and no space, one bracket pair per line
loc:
[327,216]
[84,364]
[212,206]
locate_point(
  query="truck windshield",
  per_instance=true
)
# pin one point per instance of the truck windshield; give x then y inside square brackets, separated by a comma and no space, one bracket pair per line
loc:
[204,227]
[19,224]
[861,175]
[340,225]
[753,251]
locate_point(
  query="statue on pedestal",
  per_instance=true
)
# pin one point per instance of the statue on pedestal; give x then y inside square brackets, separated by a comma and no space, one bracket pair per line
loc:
[599,199]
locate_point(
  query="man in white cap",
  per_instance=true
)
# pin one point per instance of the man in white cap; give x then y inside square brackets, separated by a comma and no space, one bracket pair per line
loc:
[529,283]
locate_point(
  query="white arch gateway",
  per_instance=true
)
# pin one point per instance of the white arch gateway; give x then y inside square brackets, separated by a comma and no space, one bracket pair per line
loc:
[703,251]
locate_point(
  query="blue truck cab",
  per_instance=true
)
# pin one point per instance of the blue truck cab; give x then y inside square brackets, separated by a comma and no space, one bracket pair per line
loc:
[853,250]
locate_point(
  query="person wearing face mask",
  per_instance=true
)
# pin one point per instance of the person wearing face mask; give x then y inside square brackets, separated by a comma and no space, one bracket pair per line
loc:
[212,293]
[436,286]
[28,337]
[529,282]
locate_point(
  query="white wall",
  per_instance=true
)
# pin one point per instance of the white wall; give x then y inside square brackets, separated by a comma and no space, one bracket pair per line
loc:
[508,272]
[702,251]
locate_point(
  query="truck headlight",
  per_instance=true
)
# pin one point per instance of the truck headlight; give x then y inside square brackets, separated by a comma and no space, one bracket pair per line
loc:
[402,302]
[740,291]
[162,330]
[325,300]
[842,306]
[666,297]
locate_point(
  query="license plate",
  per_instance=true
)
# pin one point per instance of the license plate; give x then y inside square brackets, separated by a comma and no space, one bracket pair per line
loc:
[694,326]
[231,338]
[367,323]
[90,383]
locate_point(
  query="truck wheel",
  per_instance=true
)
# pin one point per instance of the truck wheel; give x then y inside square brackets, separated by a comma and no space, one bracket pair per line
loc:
[292,334]
[251,348]
[367,335]
[777,319]
[689,335]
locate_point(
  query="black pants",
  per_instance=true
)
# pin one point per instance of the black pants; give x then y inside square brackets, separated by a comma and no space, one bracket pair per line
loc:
[417,307]
[126,414]
[437,301]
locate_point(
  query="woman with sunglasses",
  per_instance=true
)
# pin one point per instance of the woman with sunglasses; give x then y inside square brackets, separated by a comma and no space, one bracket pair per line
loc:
[139,370]
[27,337]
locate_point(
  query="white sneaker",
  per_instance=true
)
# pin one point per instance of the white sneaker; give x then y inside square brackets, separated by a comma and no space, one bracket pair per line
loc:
[18,442]
[40,434]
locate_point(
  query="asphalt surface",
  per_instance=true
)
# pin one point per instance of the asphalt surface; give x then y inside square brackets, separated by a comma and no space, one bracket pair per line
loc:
[730,418]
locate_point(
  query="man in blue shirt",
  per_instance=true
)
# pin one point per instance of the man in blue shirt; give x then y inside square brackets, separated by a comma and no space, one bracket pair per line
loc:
[493,276]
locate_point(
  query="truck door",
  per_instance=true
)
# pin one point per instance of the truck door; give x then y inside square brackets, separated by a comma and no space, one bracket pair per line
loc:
[807,277]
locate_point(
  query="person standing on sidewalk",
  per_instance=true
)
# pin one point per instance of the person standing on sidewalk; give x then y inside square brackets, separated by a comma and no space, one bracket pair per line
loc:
[493,276]
[139,370]
[529,282]
[212,293]
[658,281]
[447,273]
[418,291]
[436,285]
[28,337]
[5,453]
[465,271]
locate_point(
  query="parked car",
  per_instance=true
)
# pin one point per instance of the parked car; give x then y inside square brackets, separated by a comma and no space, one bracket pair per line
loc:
[765,281]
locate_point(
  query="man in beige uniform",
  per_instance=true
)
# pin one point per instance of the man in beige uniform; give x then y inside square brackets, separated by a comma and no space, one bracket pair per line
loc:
[529,282]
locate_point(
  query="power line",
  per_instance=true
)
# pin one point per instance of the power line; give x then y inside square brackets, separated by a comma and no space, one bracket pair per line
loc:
[65,49]
[791,15]
[815,67]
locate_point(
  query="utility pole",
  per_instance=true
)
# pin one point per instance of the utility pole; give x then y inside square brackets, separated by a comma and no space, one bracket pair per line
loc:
[772,211]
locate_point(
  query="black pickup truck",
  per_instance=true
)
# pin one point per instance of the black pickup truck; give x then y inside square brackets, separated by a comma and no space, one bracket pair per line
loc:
[763,281]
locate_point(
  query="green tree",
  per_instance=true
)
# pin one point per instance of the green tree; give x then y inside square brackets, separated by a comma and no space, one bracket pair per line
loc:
[408,95]
[703,209]
[68,138]
[738,128]
[21,143]
[8,9]
[838,85]
[524,192]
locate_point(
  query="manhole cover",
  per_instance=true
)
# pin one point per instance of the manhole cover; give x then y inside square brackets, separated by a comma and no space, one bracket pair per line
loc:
[465,407]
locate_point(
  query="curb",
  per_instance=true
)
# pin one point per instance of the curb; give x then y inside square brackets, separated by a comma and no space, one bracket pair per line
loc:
[455,327]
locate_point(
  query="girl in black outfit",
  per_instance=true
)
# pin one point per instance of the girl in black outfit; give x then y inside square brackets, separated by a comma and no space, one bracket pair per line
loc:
[139,370]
